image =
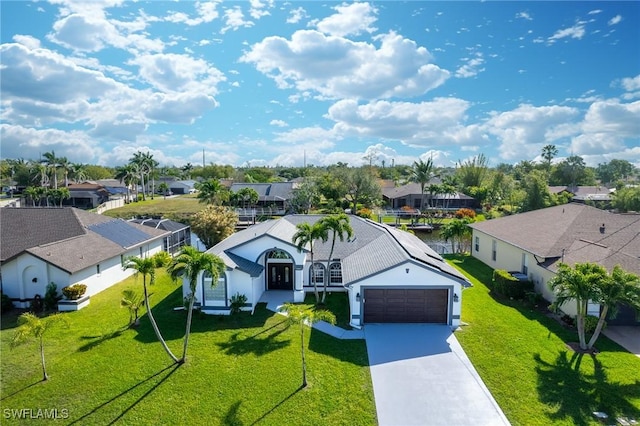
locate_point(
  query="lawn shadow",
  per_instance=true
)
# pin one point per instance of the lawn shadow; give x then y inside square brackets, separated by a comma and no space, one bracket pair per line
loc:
[171,368]
[99,339]
[21,390]
[352,351]
[260,343]
[275,407]
[575,395]
[232,418]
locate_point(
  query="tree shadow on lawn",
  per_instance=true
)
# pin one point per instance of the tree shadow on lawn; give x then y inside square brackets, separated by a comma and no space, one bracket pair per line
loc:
[353,351]
[99,339]
[165,373]
[172,322]
[575,395]
[260,343]
[232,417]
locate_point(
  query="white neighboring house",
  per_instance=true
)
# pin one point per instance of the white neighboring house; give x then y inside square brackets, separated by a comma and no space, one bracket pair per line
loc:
[67,246]
[182,186]
[389,275]
[535,242]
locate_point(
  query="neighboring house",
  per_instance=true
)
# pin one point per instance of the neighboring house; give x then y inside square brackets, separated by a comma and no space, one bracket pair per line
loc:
[67,246]
[595,195]
[182,186]
[389,275]
[275,195]
[535,242]
[410,195]
[180,234]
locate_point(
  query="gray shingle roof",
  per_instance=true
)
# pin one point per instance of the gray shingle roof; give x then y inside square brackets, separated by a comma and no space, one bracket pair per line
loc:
[65,237]
[374,247]
[572,230]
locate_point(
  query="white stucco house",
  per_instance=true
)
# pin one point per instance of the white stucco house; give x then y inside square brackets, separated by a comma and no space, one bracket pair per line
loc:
[67,246]
[535,242]
[388,274]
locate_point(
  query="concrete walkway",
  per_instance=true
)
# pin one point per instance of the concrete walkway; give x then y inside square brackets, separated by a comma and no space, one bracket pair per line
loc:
[421,376]
[626,336]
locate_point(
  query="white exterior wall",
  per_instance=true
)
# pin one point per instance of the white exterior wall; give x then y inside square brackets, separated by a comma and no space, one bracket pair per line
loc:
[418,276]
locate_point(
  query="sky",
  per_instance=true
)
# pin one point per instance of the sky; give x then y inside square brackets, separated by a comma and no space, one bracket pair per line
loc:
[287,83]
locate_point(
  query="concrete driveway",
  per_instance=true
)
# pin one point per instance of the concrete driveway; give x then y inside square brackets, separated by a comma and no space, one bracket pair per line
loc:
[421,376]
[626,336]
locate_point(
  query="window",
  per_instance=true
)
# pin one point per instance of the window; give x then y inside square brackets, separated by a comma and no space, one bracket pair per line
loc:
[494,250]
[525,264]
[477,243]
[278,254]
[317,274]
[335,273]
[219,292]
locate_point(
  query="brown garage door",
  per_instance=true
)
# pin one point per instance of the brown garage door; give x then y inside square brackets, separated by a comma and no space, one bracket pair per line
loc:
[405,305]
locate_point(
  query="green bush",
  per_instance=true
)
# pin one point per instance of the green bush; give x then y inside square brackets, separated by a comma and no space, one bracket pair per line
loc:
[161,259]
[51,297]
[74,292]
[590,323]
[237,302]
[7,304]
[507,285]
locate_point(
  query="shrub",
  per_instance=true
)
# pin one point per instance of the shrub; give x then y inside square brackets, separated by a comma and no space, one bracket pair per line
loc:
[7,304]
[590,323]
[36,305]
[161,259]
[507,285]
[74,292]
[365,213]
[462,213]
[51,297]
[237,302]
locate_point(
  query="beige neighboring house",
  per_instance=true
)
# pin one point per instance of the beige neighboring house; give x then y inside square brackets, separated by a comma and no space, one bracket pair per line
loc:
[535,242]
[67,246]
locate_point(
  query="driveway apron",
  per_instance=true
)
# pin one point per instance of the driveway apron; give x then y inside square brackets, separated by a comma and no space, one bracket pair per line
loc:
[421,376]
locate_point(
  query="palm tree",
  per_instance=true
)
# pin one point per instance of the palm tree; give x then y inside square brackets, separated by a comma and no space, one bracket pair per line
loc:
[127,174]
[548,153]
[301,315]
[186,170]
[32,326]
[189,264]
[422,173]
[338,225]
[164,188]
[456,229]
[580,283]
[307,234]
[142,161]
[132,301]
[52,163]
[79,172]
[620,287]
[147,266]
[66,166]
[212,192]
[31,193]
[41,173]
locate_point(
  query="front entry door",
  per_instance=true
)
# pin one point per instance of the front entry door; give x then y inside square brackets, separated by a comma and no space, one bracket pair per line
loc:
[280,276]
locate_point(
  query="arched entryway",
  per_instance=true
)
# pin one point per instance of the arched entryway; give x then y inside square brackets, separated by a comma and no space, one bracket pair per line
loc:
[280,270]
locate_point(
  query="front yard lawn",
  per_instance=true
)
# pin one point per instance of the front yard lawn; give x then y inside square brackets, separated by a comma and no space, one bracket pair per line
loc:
[522,356]
[241,370]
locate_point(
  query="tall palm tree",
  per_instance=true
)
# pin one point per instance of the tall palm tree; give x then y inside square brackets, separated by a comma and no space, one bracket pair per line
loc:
[338,225]
[31,326]
[141,160]
[186,170]
[422,173]
[40,173]
[189,264]
[301,315]
[147,267]
[620,287]
[581,284]
[305,235]
[66,167]
[52,163]
[127,174]
[79,172]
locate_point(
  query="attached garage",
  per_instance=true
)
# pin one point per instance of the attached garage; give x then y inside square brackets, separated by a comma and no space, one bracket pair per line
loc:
[406,305]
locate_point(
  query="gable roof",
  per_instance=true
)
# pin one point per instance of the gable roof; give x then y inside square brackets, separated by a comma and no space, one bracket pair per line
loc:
[373,248]
[68,238]
[573,232]
[164,224]
[267,191]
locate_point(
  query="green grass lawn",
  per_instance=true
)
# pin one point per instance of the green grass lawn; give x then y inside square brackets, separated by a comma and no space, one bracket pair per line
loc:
[521,355]
[174,208]
[241,370]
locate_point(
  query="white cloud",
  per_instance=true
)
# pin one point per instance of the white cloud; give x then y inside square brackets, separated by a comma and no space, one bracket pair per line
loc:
[577,32]
[613,117]
[278,123]
[471,68]
[234,19]
[259,9]
[353,18]
[336,67]
[595,11]
[205,12]
[27,40]
[524,15]
[631,84]
[615,20]
[296,15]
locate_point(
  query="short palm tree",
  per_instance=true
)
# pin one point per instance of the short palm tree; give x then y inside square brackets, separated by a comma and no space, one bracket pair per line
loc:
[31,326]
[147,267]
[305,235]
[132,301]
[212,192]
[302,315]
[338,225]
[189,264]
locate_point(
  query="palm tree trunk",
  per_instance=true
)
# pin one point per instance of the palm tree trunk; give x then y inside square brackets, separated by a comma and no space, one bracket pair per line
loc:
[313,278]
[596,332]
[44,368]
[580,325]
[154,325]
[187,332]
[328,274]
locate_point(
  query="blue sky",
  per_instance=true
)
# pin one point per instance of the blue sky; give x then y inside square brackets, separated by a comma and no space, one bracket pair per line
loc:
[277,83]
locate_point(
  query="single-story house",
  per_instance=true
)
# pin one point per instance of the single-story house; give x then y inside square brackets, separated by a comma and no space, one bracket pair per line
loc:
[67,246]
[535,242]
[274,195]
[180,234]
[595,195]
[388,274]
[410,195]
[182,186]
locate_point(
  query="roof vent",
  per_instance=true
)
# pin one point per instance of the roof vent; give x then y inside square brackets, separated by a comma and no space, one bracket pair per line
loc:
[602,229]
